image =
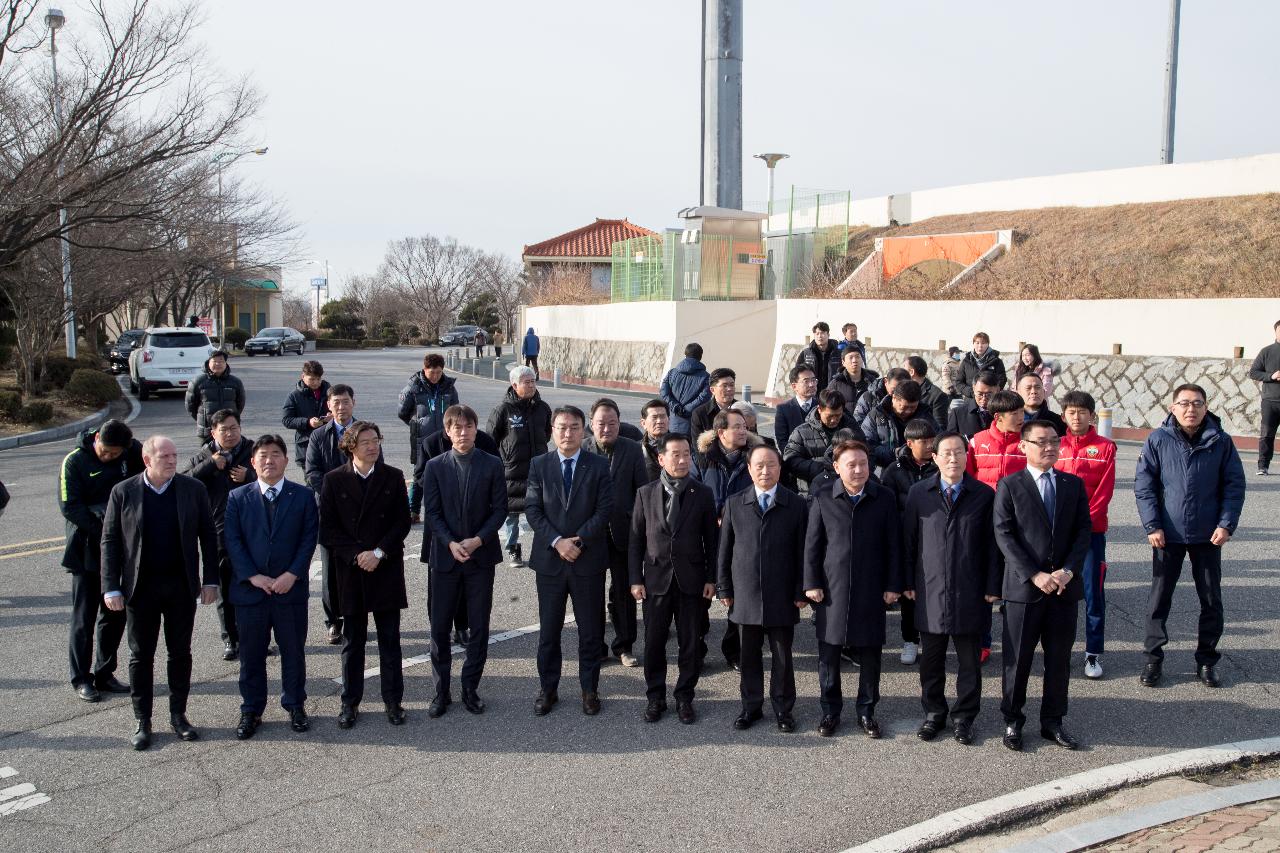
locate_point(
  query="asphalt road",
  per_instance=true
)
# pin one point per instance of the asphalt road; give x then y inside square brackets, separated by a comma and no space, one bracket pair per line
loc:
[508,780]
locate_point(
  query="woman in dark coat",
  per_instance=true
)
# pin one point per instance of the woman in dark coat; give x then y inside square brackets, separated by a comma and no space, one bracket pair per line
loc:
[364,519]
[852,570]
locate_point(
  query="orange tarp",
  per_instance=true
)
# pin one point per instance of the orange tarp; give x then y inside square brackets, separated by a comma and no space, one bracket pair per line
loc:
[903,252]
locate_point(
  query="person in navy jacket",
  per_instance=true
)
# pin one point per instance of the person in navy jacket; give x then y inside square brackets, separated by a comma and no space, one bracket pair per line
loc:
[271,530]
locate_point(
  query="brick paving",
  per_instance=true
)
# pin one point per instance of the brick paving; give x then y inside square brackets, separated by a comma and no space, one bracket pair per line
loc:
[1254,827]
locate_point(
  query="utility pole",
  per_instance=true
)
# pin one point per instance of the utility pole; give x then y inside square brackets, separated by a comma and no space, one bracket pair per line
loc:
[54,20]
[722,103]
[1171,81]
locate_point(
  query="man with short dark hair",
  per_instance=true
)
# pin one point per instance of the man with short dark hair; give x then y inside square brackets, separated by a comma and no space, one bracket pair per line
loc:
[422,405]
[792,413]
[853,379]
[885,424]
[1190,492]
[932,398]
[914,462]
[849,340]
[805,456]
[1266,370]
[821,355]
[305,409]
[1034,405]
[723,386]
[686,388]
[104,457]
[879,390]
[655,421]
[521,425]
[214,390]
[972,415]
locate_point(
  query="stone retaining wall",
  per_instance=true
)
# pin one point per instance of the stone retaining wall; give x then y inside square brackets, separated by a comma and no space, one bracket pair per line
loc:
[630,365]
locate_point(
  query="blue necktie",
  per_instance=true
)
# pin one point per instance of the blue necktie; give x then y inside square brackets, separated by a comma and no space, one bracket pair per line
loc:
[764,502]
[568,478]
[1048,495]
[949,496]
[853,500]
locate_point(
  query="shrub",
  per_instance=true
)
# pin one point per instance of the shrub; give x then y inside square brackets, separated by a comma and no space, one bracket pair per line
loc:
[236,337]
[88,360]
[309,334]
[391,341]
[10,404]
[91,388]
[372,343]
[36,413]
[57,371]
[423,342]
[336,343]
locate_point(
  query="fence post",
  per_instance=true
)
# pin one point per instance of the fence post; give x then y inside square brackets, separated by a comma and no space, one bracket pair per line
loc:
[746,393]
[555,377]
[1105,424]
[495,368]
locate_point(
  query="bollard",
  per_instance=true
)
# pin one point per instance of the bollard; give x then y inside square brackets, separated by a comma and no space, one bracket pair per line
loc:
[746,393]
[555,377]
[1104,422]
[495,369]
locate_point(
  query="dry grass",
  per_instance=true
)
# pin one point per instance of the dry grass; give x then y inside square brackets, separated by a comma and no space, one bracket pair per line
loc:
[1199,248]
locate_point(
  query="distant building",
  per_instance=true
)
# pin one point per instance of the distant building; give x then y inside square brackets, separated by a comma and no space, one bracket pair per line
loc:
[589,247]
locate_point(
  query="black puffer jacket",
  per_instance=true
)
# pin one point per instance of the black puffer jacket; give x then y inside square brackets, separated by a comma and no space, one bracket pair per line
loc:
[217,481]
[884,429]
[521,428]
[904,473]
[716,472]
[84,485]
[422,405]
[210,393]
[299,408]
[848,388]
[972,367]
[805,455]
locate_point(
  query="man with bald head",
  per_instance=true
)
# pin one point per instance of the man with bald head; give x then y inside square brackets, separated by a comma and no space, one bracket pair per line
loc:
[159,555]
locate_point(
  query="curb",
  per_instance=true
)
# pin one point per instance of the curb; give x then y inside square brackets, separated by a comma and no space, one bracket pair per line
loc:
[67,430]
[989,815]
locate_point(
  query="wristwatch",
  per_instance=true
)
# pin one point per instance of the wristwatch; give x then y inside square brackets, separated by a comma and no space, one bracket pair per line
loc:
[379,553]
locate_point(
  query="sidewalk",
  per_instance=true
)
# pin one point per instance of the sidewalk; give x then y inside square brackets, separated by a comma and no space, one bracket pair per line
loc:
[1252,827]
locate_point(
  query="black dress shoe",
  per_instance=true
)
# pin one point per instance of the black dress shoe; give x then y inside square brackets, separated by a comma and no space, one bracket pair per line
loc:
[230,651]
[544,703]
[247,726]
[1013,737]
[653,711]
[870,726]
[828,726]
[746,719]
[347,716]
[395,713]
[1206,673]
[460,637]
[684,710]
[334,634]
[439,704]
[786,723]
[88,693]
[964,733]
[590,703]
[183,728]
[733,664]
[929,729]
[298,719]
[1151,675]
[142,736]
[1058,735]
[472,702]
[110,684]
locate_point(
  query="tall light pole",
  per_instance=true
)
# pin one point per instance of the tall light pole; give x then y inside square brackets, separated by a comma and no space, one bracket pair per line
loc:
[54,19]
[1171,80]
[218,164]
[771,160]
[319,284]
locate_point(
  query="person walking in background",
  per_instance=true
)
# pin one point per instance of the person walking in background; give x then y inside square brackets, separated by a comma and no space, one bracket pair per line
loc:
[306,409]
[216,389]
[983,359]
[529,349]
[724,384]
[422,405]
[521,426]
[498,340]
[1266,369]
[821,355]
[792,413]
[1029,361]
[1190,492]
[480,340]
[950,372]
[685,388]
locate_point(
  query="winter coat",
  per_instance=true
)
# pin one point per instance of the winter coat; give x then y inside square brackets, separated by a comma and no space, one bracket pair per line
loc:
[868,400]
[1189,490]
[904,473]
[422,405]
[704,416]
[712,468]
[299,408]
[848,388]
[531,345]
[972,367]
[856,344]
[522,429]
[968,420]
[787,417]
[685,387]
[210,394]
[84,484]
[937,401]
[358,516]
[883,430]
[218,483]
[1044,371]
[950,558]
[805,454]
[1049,416]
[823,364]
[1267,363]
[993,455]
[324,456]
[761,560]
[1092,458]
[853,554]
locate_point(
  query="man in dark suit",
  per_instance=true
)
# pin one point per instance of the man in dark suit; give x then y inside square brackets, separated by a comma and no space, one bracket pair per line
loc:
[655,419]
[1042,527]
[972,417]
[270,533]
[852,569]
[159,553]
[568,504]
[724,384]
[951,570]
[760,578]
[626,469]
[464,505]
[793,412]
[672,566]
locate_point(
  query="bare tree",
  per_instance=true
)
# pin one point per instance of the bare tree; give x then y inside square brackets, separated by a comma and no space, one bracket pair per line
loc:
[435,277]
[501,277]
[297,309]
[33,290]
[563,284]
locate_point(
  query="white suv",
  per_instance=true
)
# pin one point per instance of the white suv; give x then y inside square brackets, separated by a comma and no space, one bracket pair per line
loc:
[168,357]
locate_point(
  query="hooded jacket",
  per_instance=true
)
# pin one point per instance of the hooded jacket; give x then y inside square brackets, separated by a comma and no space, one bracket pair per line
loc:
[973,366]
[210,394]
[823,364]
[521,429]
[685,387]
[530,347]
[1187,490]
[299,408]
[715,471]
[84,484]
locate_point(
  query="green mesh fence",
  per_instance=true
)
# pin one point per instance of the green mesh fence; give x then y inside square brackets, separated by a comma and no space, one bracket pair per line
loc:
[664,268]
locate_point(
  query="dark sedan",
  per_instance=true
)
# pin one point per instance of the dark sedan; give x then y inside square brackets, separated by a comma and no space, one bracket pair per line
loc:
[118,353]
[276,341]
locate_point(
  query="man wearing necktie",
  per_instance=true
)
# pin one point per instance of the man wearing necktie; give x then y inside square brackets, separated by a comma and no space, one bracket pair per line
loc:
[1042,528]
[271,530]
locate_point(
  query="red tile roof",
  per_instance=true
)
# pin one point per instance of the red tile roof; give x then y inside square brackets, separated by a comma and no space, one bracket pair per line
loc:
[590,241]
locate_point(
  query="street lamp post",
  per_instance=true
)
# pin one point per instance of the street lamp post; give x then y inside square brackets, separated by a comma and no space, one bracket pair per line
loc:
[54,19]
[771,160]
[319,284]
[219,165]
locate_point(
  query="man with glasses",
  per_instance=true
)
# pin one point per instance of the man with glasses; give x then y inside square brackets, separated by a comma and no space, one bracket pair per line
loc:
[1190,490]
[804,382]
[972,416]
[1042,526]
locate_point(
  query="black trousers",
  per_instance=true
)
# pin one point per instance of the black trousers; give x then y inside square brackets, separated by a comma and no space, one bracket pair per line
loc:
[830,696]
[659,611]
[289,622]
[933,676]
[468,590]
[328,590]
[1267,440]
[355,634]
[621,605]
[92,623]
[554,594]
[175,608]
[459,610]
[531,361]
[908,611]
[782,675]
[226,610]
[1050,623]
[1206,571]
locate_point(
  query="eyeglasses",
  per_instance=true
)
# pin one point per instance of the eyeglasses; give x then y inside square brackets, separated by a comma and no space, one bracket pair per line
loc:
[1190,404]
[950,454]
[1044,443]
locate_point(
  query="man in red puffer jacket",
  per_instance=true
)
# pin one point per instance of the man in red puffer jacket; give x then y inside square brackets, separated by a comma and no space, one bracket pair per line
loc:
[1092,458]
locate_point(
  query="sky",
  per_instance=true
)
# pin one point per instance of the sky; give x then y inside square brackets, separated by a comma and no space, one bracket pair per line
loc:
[506,122]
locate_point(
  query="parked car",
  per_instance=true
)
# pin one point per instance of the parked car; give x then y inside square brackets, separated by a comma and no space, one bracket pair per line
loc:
[118,352]
[276,341]
[459,336]
[168,358]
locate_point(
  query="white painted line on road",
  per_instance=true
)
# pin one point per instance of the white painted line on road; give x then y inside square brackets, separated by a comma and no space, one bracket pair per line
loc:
[6,772]
[17,791]
[23,804]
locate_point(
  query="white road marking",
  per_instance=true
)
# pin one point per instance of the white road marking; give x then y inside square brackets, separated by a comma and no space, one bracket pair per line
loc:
[17,791]
[6,772]
[17,798]
[37,799]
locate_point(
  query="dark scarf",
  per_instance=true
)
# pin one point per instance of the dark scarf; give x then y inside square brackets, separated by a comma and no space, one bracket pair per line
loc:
[674,489]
